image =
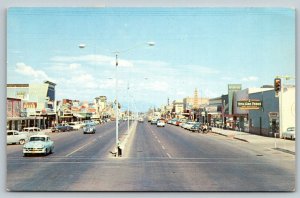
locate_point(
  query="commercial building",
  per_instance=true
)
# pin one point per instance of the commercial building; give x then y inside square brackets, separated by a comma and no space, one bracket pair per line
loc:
[37,104]
[267,121]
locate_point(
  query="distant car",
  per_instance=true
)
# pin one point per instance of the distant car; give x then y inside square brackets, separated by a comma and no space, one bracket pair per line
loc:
[153,121]
[189,125]
[195,127]
[289,133]
[89,128]
[141,120]
[29,131]
[61,128]
[160,123]
[38,144]
[75,125]
[15,137]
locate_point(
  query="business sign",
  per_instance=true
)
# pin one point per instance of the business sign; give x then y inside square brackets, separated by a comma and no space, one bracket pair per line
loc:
[29,105]
[249,104]
[212,108]
[21,95]
[103,98]
[231,89]
[234,87]
[273,115]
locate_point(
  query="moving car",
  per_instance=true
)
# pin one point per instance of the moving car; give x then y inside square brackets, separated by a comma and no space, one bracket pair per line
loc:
[89,128]
[160,123]
[289,133]
[38,144]
[141,120]
[15,137]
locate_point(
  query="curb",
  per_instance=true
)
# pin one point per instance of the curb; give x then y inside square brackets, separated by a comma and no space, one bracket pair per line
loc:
[230,136]
[241,139]
[125,140]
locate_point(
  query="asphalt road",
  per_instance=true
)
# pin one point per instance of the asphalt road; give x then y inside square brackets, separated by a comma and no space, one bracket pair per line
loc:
[155,159]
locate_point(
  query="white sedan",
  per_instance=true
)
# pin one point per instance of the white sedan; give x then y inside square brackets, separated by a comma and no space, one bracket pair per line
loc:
[160,123]
[289,133]
[38,144]
[15,137]
[75,125]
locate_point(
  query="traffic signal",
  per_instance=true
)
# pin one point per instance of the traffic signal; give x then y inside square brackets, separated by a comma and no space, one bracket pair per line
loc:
[277,85]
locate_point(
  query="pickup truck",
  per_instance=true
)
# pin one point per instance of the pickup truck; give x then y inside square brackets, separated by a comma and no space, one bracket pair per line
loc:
[61,127]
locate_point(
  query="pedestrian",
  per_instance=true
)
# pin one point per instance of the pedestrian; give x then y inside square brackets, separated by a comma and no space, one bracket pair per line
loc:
[204,129]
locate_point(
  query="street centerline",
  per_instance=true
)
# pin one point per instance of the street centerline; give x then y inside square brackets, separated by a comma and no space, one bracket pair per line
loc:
[81,147]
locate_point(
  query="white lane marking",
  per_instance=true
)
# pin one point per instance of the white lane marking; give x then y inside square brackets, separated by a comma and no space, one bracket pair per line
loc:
[169,155]
[158,140]
[101,162]
[163,147]
[80,148]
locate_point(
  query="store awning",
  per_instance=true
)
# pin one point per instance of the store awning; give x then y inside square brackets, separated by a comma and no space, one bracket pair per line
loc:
[78,115]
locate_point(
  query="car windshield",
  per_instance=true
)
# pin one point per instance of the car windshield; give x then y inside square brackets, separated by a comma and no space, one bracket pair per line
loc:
[32,139]
[291,129]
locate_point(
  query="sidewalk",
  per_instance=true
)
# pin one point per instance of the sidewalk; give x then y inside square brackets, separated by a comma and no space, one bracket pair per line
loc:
[269,142]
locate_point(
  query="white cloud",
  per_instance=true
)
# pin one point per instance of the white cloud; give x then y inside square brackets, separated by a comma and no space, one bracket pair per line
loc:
[226,78]
[250,78]
[158,86]
[74,66]
[93,59]
[27,70]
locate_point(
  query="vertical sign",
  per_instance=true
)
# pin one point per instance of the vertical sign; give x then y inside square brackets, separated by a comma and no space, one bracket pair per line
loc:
[231,89]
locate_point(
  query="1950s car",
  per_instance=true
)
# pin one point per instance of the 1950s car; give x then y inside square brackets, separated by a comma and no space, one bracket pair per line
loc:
[38,144]
[15,137]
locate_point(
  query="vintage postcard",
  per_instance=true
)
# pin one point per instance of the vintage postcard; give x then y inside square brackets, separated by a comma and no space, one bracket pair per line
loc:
[151,99]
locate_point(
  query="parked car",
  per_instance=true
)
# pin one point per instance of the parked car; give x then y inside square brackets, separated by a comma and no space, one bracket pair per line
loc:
[289,133]
[61,128]
[153,121]
[38,144]
[15,137]
[89,128]
[160,123]
[189,125]
[195,127]
[173,121]
[29,131]
[75,125]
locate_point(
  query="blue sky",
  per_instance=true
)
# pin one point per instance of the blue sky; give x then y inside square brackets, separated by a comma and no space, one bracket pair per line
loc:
[203,48]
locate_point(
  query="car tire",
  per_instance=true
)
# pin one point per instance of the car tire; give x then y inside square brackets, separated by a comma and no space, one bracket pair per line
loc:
[46,152]
[22,141]
[25,154]
[50,151]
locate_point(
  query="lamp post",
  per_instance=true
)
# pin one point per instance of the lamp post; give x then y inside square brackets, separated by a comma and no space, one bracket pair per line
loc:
[116,85]
[128,108]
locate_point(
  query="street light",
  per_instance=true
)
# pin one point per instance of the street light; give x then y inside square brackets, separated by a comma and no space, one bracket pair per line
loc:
[151,43]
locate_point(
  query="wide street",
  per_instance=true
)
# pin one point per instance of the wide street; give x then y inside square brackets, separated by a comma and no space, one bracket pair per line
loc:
[155,159]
